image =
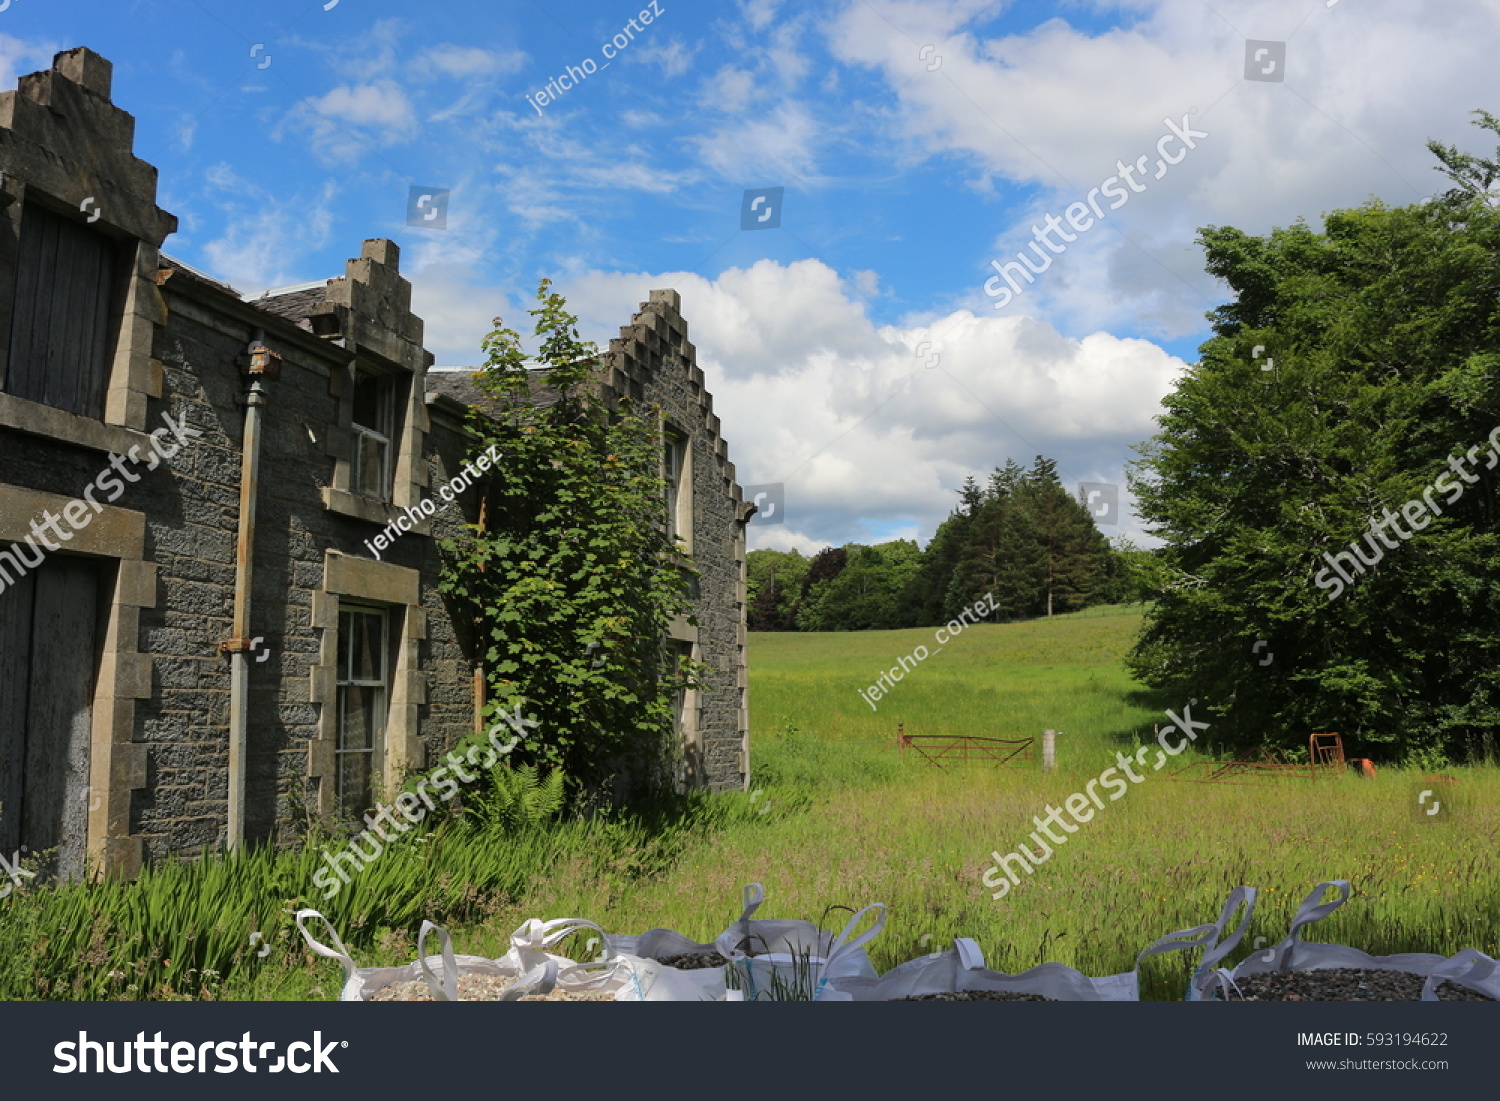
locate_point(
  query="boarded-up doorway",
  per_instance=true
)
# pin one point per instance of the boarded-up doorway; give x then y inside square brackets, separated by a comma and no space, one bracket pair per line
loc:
[49,660]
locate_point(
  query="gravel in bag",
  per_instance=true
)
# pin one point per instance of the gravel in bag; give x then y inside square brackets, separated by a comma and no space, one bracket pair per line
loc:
[974,996]
[482,988]
[1343,984]
[693,961]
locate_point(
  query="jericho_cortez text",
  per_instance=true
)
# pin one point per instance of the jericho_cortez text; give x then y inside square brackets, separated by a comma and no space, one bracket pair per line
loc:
[411,516]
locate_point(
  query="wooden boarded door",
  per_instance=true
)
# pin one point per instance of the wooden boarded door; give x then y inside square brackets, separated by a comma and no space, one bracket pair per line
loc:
[49,657]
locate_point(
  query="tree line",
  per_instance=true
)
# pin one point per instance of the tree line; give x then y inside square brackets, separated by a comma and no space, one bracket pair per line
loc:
[1020,537]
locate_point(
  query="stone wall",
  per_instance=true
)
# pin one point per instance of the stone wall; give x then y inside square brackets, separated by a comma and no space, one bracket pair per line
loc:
[159,751]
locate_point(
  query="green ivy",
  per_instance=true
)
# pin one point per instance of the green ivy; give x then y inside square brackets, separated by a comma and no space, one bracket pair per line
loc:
[574,580]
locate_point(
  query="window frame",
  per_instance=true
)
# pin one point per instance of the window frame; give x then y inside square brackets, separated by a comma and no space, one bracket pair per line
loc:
[385,434]
[343,679]
[677,470]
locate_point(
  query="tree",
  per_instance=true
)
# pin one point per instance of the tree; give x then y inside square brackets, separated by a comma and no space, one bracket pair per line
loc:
[1385,335]
[774,584]
[865,596]
[924,601]
[826,565]
[572,576]
[1474,176]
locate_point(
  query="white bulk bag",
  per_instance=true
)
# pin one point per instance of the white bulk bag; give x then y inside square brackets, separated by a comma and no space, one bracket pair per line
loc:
[660,982]
[804,960]
[1468,968]
[629,977]
[361,983]
[779,944]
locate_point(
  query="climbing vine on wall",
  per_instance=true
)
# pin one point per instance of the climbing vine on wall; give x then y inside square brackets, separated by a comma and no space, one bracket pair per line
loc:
[572,577]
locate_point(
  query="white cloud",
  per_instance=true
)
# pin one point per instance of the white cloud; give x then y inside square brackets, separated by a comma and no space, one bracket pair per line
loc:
[671,57]
[19,57]
[348,121]
[864,435]
[466,62]
[1055,108]
[381,105]
[265,236]
[775,144]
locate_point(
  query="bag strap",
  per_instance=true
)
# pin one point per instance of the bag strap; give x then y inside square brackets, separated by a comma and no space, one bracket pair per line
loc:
[447,991]
[1225,980]
[1196,937]
[1312,910]
[539,980]
[754,895]
[1468,964]
[845,944]
[542,935]
[970,956]
[337,952]
[1216,950]
[734,942]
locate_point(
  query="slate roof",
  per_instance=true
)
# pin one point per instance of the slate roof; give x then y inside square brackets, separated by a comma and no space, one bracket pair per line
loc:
[193,273]
[292,303]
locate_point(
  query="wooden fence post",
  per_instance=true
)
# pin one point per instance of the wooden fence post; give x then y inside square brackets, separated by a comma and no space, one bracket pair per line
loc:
[1049,750]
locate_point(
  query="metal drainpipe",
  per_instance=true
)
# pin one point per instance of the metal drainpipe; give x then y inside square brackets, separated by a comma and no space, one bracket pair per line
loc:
[264,364]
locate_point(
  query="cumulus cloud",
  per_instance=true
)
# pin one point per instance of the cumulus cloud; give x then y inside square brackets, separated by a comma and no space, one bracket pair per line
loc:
[865,435]
[1055,108]
[351,119]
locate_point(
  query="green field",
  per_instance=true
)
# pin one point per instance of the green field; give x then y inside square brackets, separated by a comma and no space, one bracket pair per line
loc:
[837,818]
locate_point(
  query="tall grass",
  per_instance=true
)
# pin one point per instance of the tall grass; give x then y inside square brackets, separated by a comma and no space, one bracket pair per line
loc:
[838,818]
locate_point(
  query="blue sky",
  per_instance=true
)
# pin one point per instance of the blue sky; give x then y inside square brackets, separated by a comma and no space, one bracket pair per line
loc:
[915,141]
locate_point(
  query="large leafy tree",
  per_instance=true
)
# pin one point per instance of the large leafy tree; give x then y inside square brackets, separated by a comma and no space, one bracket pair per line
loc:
[1383,334]
[865,596]
[572,576]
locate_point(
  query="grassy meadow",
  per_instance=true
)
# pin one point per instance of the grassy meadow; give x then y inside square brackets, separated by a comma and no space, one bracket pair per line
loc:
[837,818]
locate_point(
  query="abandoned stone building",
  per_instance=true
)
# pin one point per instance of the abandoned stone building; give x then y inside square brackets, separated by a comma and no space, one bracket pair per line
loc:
[196,642]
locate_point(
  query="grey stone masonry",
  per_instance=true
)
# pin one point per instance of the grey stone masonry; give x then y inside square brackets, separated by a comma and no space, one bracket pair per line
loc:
[192,352]
[653,363]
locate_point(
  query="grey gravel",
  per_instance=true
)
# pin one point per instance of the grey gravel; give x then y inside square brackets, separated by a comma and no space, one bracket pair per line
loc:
[975,996]
[482,988]
[1343,984]
[693,961]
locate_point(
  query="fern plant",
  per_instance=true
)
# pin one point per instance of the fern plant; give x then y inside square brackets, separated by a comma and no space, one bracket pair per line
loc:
[516,798]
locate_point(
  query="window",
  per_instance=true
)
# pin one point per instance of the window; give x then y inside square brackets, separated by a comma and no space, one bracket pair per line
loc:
[676,473]
[374,427]
[63,316]
[362,693]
